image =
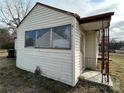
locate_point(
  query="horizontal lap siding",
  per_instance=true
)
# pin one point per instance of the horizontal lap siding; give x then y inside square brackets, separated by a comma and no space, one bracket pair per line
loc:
[41,17]
[76,51]
[54,63]
[49,66]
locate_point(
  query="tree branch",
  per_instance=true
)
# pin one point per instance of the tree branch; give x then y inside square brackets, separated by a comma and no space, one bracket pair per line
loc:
[9,10]
[13,11]
[27,8]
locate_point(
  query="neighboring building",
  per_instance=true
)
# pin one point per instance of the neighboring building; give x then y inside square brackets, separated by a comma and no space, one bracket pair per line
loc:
[61,43]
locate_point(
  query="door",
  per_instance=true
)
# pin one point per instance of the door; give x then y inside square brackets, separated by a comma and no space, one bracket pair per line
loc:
[82,53]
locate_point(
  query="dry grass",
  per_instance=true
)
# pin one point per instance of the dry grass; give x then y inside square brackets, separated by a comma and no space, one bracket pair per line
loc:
[117,69]
[3,53]
[15,80]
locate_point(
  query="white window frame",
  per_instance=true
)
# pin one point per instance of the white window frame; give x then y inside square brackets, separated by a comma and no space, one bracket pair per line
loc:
[51,39]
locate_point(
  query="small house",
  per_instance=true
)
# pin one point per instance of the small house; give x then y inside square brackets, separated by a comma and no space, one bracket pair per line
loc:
[60,43]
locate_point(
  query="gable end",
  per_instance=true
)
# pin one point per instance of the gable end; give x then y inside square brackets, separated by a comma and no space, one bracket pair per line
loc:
[56,9]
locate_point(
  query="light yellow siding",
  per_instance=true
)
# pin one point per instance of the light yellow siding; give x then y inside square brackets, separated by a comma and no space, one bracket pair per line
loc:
[54,63]
[58,64]
[91,49]
[77,58]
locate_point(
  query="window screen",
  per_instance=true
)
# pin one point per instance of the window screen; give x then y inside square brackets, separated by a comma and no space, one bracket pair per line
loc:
[30,38]
[43,38]
[61,37]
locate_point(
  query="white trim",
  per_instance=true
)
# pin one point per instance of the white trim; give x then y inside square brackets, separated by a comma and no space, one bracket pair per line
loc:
[73,52]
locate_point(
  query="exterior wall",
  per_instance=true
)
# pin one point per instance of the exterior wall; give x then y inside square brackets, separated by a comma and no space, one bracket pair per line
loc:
[97,44]
[91,49]
[84,50]
[77,57]
[54,63]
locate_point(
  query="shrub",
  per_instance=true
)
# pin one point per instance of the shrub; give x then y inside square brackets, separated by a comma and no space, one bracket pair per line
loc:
[7,46]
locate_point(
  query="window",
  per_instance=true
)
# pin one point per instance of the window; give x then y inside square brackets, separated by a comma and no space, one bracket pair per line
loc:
[61,37]
[54,37]
[30,38]
[43,38]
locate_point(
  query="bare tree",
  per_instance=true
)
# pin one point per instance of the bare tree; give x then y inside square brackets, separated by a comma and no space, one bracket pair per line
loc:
[13,11]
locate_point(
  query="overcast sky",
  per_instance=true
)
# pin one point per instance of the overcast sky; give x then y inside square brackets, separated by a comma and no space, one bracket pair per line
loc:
[92,7]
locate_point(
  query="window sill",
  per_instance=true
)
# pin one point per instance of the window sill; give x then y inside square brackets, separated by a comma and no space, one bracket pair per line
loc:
[49,50]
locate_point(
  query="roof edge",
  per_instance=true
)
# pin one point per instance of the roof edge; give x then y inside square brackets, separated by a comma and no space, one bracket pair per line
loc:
[96,17]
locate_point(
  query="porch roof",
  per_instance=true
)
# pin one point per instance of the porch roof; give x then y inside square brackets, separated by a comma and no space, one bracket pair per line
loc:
[96,22]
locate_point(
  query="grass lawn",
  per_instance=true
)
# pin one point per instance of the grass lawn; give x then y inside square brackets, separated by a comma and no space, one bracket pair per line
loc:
[117,70]
[15,80]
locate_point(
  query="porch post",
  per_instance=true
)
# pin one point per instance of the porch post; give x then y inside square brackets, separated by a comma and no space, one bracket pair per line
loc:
[108,57]
[105,54]
[103,57]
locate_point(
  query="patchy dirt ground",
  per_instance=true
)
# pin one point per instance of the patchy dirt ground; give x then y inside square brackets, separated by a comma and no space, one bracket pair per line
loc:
[15,80]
